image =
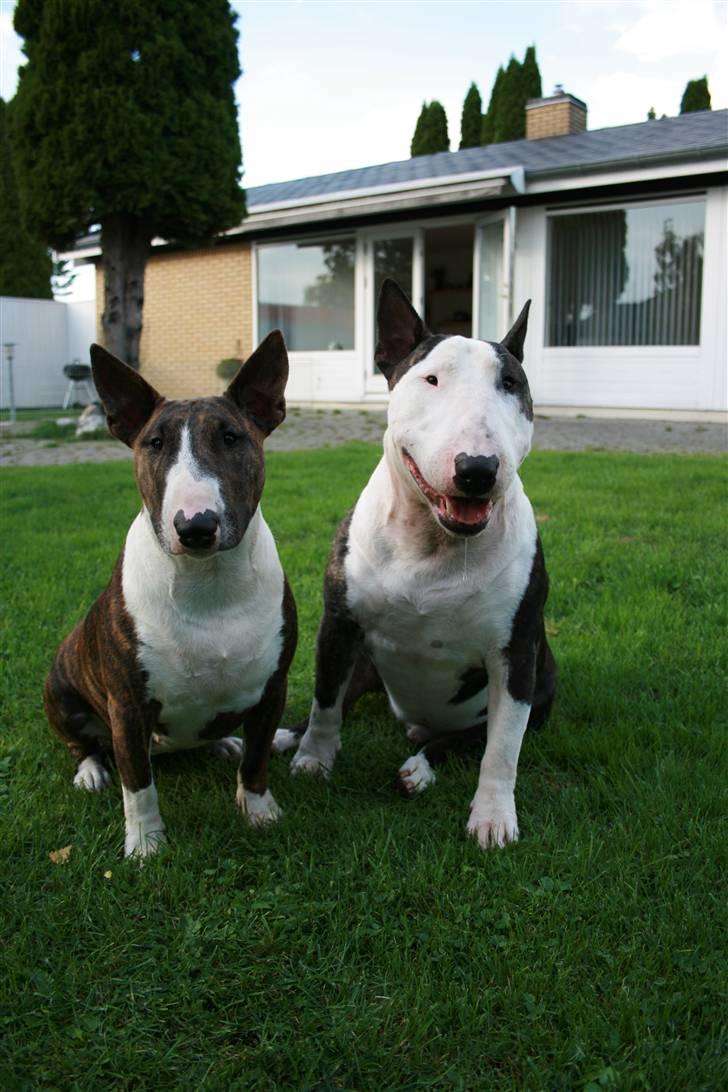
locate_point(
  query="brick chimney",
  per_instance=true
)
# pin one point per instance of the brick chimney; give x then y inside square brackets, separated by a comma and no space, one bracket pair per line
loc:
[559,115]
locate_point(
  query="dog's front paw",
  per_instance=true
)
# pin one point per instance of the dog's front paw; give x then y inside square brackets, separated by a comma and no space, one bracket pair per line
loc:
[258,808]
[318,763]
[92,775]
[141,844]
[415,775]
[229,747]
[493,822]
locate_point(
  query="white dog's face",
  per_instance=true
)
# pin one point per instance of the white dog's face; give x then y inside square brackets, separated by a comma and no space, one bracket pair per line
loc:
[460,421]
[460,414]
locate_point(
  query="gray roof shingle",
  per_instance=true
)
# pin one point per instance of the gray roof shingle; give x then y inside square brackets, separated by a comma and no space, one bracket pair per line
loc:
[689,136]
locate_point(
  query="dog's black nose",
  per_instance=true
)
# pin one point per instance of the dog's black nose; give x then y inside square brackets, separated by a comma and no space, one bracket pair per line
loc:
[475,474]
[199,532]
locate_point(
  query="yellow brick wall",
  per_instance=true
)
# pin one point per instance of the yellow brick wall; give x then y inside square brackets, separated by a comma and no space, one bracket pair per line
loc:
[197,310]
[554,119]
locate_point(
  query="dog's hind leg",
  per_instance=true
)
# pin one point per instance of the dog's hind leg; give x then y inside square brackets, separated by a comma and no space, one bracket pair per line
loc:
[76,723]
[338,651]
[417,772]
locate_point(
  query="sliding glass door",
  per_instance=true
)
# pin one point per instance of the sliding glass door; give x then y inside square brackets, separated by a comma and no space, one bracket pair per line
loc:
[397,254]
[492,277]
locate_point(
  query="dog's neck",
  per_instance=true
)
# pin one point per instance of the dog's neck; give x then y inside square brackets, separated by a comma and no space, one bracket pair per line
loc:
[198,586]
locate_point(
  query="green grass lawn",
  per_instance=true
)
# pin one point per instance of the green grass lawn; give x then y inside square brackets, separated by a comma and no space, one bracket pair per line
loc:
[364,942]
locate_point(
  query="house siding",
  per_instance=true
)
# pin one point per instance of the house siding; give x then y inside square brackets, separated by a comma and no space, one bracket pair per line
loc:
[197,311]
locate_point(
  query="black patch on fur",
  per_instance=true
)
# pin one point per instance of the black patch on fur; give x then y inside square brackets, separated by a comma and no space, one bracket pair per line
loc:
[531,666]
[473,680]
[423,349]
[510,371]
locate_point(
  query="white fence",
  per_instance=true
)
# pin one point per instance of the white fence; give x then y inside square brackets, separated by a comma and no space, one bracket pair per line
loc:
[46,335]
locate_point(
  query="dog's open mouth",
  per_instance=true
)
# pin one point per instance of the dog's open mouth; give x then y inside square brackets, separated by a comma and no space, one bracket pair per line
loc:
[460,515]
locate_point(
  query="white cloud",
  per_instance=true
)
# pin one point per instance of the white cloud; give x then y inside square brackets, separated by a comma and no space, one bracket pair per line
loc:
[673,28]
[10,54]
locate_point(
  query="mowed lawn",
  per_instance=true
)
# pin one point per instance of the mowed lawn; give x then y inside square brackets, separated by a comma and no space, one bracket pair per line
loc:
[364,942]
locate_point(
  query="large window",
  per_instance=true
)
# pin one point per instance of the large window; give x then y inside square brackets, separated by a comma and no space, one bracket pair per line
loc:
[626,276]
[306,290]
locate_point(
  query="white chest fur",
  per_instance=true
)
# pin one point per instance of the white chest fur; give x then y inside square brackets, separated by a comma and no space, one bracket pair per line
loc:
[429,617]
[209,631]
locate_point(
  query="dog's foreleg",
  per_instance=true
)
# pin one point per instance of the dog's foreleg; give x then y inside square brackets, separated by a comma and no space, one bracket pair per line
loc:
[254,798]
[132,735]
[493,809]
[337,647]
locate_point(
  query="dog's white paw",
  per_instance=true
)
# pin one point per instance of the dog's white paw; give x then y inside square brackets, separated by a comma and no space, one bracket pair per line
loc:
[314,763]
[230,748]
[416,774]
[284,739]
[493,823]
[258,808]
[92,775]
[141,844]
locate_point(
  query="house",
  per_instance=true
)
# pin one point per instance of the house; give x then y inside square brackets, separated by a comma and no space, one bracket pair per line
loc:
[618,235]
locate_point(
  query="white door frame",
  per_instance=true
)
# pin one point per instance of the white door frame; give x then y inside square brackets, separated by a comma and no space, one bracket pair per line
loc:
[374,382]
[505,308]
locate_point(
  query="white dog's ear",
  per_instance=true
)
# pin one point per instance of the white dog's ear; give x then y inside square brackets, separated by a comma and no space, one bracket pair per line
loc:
[399,328]
[128,400]
[258,388]
[514,339]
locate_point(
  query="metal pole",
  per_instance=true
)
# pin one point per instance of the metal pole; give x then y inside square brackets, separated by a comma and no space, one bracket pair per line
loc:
[9,347]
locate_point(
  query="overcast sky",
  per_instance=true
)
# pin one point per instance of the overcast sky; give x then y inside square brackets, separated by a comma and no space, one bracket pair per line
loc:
[329,85]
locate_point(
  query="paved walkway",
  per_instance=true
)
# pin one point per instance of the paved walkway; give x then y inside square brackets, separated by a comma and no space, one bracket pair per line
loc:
[306,428]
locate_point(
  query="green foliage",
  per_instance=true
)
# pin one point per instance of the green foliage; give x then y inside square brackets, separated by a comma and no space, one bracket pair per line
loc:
[25,264]
[696,96]
[228,368]
[512,88]
[128,109]
[471,118]
[363,942]
[430,133]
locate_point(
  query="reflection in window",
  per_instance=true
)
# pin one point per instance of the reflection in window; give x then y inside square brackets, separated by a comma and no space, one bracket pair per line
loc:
[306,290]
[627,276]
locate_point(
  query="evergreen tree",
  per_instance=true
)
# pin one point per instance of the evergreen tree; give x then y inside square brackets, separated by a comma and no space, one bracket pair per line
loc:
[488,127]
[510,121]
[651,115]
[25,264]
[126,118]
[471,118]
[431,130]
[531,75]
[696,96]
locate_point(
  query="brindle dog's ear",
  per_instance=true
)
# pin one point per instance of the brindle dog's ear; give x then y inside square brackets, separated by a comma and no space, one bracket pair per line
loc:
[399,328]
[514,339]
[258,388]
[128,400]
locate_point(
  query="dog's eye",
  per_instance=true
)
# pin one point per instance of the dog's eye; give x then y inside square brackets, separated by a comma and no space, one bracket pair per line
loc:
[229,438]
[156,443]
[431,379]
[508,382]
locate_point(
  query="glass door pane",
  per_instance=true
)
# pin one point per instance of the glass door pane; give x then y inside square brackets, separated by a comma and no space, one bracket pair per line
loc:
[391,258]
[492,289]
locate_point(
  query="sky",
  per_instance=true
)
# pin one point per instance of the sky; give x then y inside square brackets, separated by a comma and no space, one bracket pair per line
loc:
[329,85]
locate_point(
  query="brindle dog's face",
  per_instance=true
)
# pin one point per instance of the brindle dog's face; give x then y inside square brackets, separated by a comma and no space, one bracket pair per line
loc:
[199,464]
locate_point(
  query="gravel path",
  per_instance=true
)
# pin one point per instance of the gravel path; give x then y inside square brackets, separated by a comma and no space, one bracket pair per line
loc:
[305,429]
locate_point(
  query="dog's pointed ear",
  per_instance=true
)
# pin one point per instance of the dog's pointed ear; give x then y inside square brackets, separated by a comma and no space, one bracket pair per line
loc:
[399,328]
[258,388]
[514,339]
[128,400]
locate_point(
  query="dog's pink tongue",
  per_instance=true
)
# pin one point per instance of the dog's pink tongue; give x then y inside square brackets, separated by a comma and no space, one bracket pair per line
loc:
[468,511]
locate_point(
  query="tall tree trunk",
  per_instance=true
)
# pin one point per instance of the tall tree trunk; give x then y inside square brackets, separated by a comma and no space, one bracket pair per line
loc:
[125,243]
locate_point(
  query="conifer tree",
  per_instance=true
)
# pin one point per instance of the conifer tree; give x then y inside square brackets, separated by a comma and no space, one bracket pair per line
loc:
[430,133]
[487,132]
[531,75]
[25,264]
[696,96]
[125,117]
[470,121]
[510,121]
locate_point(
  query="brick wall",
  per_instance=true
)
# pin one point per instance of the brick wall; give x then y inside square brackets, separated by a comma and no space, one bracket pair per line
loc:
[197,310]
[554,118]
